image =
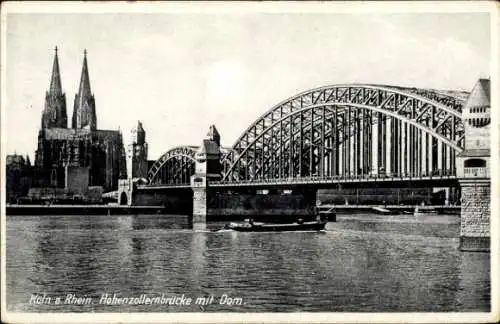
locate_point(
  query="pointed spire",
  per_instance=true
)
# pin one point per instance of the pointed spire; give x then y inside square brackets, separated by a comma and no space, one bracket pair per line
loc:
[139,126]
[138,134]
[213,134]
[84,114]
[480,95]
[55,80]
[84,90]
[54,113]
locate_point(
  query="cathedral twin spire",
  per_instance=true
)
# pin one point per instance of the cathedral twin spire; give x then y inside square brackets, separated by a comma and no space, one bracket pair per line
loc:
[54,112]
[55,81]
[84,113]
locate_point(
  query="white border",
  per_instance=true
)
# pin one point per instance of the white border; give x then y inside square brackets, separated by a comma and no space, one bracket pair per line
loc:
[270,7]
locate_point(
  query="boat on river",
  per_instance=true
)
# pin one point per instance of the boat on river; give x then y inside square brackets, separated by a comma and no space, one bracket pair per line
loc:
[269,227]
[425,212]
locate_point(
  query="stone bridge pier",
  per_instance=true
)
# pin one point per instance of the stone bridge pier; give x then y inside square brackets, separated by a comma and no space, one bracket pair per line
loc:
[475,215]
[207,168]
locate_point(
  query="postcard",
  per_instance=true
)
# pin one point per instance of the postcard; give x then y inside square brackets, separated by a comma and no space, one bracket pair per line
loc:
[250,162]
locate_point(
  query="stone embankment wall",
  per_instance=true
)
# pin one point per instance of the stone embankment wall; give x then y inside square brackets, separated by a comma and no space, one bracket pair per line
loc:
[475,216]
[224,205]
[174,201]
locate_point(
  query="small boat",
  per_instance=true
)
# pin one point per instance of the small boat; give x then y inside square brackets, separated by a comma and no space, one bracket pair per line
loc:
[381,210]
[268,227]
[425,212]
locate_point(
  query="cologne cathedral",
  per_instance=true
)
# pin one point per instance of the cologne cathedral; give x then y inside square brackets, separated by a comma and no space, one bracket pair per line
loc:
[79,156]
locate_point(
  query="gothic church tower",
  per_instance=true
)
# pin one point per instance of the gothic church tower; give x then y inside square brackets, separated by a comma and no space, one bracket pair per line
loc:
[84,115]
[54,112]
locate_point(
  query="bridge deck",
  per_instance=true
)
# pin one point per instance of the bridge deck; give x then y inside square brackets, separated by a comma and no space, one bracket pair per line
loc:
[319,181]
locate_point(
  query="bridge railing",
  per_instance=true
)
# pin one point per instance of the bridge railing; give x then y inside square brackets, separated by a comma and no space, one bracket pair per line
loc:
[159,185]
[440,174]
[345,178]
[477,172]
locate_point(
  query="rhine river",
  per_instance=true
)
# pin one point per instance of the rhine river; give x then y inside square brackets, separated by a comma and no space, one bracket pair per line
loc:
[361,263]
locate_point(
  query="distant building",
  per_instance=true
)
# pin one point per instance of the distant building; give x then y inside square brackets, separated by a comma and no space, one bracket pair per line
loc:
[81,156]
[19,175]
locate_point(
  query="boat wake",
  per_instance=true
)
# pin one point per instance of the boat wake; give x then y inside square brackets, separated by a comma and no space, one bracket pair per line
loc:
[223,230]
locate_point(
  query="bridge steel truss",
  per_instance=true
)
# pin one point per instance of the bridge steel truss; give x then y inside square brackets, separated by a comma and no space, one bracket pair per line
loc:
[340,131]
[351,131]
[174,167]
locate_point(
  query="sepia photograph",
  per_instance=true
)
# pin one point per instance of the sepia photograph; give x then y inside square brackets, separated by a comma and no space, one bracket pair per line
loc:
[249,162]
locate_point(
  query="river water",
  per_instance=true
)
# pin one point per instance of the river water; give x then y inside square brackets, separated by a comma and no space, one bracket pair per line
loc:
[361,263]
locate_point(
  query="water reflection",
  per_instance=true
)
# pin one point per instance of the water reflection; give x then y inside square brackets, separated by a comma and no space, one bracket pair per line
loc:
[198,262]
[473,280]
[357,265]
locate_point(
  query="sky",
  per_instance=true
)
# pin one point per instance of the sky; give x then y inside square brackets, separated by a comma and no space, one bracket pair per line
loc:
[179,73]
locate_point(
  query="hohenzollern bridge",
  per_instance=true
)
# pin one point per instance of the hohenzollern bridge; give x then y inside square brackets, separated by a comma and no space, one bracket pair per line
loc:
[338,136]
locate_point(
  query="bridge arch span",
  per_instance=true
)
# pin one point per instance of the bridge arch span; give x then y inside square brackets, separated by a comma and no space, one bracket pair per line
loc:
[174,166]
[351,130]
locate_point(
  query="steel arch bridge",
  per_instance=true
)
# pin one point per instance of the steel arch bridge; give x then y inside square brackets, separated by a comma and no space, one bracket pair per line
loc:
[347,131]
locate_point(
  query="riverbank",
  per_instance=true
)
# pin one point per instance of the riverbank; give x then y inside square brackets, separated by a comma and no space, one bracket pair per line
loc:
[392,209]
[25,210]
[28,210]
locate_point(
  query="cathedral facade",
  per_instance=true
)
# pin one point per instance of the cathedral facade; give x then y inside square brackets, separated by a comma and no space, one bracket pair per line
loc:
[79,156]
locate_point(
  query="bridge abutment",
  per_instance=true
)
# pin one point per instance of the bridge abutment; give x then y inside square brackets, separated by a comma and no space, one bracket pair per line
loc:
[261,204]
[200,208]
[475,215]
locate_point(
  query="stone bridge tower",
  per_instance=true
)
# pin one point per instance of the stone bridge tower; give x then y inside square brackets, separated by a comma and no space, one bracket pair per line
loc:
[208,168]
[137,153]
[473,170]
[137,165]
